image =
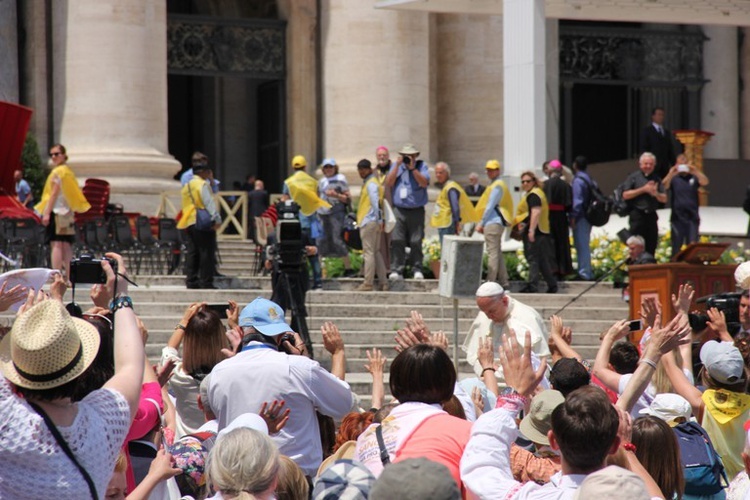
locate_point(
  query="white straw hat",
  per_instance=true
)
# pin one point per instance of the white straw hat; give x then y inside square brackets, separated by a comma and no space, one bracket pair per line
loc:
[47,348]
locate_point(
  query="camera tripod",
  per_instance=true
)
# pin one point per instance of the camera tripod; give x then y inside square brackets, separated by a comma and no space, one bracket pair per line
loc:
[289,292]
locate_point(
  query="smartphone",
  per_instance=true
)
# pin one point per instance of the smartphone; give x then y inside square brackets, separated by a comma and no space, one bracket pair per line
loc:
[220,309]
[636,325]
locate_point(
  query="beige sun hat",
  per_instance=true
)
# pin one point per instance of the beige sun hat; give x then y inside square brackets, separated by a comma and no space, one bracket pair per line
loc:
[408,149]
[47,348]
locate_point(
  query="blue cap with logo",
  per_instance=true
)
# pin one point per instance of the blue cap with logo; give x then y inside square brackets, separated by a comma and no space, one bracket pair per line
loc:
[265,316]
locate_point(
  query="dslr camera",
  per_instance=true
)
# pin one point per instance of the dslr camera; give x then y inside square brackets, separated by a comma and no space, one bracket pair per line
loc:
[728,303]
[87,269]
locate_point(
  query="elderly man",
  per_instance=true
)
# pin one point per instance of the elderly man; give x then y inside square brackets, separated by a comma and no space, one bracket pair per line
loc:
[499,313]
[408,181]
[683,183]
[637,253]
[495,208]
[473,188]
[453,206]
[644,190]
[269,367]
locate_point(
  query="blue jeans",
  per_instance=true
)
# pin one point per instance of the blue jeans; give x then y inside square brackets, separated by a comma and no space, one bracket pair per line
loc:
[443,231]
[582,241]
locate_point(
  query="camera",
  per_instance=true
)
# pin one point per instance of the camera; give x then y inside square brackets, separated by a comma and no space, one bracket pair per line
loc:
[289,250]
[87,269]
[728,303]
[407,160]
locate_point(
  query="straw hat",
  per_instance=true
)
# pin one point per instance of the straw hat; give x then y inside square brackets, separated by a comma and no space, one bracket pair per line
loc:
[47,348]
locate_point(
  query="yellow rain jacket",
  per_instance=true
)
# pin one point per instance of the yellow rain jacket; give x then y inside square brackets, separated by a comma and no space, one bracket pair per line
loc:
[69,189]
[443,217]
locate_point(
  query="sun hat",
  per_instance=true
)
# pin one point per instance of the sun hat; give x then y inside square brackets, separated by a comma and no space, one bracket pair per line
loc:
[190,456]
[245,421]
[669,407]
[612,482]
[265,316]
[492,165]
[328,161]
[415,479]
[299,162]
[723,362]
[408,149]
[47,348]
[538,422]
[345,479]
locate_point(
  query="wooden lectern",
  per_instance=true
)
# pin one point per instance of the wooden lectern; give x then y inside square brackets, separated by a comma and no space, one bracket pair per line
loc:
[695,265]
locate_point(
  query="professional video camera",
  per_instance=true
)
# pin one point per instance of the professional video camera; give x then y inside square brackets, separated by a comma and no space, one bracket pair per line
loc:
[728,303]
[289,250]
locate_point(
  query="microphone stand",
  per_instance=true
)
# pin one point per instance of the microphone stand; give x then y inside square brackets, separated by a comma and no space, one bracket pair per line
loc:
[599,280]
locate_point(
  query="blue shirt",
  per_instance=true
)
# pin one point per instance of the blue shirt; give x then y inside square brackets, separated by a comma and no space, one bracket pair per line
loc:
[581,194]
[23,191]
[491,213]
[187,176]
[373,215]
[407,193]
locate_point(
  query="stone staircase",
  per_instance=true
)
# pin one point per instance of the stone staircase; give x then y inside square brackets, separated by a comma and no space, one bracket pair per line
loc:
[366,319]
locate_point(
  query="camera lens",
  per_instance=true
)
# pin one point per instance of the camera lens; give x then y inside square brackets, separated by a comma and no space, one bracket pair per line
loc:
[407,160]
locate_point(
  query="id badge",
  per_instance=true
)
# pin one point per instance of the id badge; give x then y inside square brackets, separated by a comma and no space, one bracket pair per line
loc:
[403,193]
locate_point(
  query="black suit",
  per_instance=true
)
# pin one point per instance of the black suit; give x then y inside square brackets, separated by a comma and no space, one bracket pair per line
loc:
[746,207]
[474,190]
[661,146]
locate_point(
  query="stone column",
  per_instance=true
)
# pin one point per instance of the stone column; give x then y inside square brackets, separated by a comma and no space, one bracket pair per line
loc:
[720,99]
[745,95]
[110,95]
[552,89]
[8,52]
[376,68]
[524,124]
[302,77]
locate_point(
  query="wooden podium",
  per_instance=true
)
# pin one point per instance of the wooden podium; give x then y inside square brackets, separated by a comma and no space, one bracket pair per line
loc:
[694,265]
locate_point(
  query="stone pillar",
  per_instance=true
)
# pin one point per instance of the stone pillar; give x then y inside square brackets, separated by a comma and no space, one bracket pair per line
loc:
[552,89]
[524,123]
[34,81]
[376,68]
[302,67]
[8,52]
[110,94]
[720,99]
[745,95]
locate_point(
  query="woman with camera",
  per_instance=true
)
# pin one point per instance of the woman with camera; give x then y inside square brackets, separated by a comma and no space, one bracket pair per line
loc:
[334,189]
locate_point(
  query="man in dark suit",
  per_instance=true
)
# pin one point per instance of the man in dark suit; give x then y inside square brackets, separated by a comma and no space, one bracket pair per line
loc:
[657,139]
[473,188]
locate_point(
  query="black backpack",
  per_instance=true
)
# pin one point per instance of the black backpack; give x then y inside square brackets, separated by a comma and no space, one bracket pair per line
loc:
[622,207]
[599,206]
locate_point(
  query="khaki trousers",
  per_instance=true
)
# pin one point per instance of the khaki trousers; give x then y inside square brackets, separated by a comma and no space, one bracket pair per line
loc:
[370,235]
[496,271]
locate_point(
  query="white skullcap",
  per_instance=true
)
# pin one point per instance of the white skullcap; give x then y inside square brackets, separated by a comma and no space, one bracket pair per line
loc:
[247,420]
[742,275]
[490,289]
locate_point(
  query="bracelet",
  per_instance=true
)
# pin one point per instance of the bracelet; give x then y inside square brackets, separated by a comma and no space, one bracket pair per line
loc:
[648,362]
[120,303]
[628,447]
[179,326]
[486,370]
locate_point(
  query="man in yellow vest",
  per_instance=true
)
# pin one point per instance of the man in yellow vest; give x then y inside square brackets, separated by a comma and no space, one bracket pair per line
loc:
[197,195]
[495,207]
[370,222]
[303,189]
[453,207]
[532,214]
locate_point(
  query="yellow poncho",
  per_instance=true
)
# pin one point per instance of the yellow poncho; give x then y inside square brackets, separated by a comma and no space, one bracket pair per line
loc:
[70,190]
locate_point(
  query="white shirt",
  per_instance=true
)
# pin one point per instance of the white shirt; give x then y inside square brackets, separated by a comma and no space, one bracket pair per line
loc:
[185,390]
[520,318]
[259,374]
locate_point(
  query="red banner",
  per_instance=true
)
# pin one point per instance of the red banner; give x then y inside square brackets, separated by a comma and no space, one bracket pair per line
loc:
[14,123]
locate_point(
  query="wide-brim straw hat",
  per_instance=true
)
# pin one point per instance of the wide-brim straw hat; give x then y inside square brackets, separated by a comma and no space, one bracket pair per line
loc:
[47,347]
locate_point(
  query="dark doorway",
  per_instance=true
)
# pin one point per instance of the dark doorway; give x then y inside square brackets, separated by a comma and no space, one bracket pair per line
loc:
[600,122]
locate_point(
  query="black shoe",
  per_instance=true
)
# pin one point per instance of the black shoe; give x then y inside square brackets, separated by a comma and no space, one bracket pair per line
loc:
[317,286]
[527,289]
[349,273]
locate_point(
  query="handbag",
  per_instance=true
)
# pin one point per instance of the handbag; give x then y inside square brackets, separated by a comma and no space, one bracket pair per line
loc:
[517,231]
[65,448]
[203,220]
[389,218]
[65,224]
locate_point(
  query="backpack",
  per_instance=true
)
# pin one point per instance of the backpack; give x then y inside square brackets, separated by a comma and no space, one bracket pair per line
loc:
[622,207]
[701,464]
[599,207]
[350,232]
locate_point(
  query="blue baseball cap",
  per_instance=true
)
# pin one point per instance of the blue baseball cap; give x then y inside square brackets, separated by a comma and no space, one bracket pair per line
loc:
[328,161]
[265,316]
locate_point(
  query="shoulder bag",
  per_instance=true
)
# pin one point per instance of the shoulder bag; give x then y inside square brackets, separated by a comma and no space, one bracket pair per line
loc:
[203,220]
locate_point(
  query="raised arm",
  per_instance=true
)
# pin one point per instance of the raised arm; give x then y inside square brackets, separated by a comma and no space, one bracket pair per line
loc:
[128,344]
[560,338]
[682,385]
[334,344]
[179,331]
[375,365]
[601,370]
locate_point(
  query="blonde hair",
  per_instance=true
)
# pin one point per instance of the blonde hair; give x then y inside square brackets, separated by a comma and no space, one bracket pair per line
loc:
[243,463]
[660,381]
[292,482]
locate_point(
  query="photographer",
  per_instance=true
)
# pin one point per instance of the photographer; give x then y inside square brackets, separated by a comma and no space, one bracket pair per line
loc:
[269,367]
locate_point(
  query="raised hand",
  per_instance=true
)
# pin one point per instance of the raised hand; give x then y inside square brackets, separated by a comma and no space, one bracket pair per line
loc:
[405,338]
[415,322]
[233,314]
[617,331]
[234,336]
[476,398]
[516,362]
[663,340]
[13,295]
[375,362]
[275,415]
[439,339]
[684,298]
[650,309]
[332,340]
[486,353]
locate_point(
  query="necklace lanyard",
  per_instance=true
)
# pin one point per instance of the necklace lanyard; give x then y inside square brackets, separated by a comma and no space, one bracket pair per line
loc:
[256,346]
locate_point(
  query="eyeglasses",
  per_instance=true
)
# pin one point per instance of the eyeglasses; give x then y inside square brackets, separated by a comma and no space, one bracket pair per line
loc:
[52,155]
[527,181]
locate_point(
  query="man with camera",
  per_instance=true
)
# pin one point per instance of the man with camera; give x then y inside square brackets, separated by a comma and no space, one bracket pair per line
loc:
[408,181]
[683,182]
[270,365]
[645,192]
[201,219]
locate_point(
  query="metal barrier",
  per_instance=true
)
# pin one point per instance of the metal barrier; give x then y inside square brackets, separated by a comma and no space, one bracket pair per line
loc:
[231,204]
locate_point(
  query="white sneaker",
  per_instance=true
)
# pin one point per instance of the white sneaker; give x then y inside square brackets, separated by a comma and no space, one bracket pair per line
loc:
[394,276]
[418,275]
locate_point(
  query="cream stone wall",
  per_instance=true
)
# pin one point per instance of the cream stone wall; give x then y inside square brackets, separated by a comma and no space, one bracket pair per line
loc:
[469,91]
[376,69]
[8,52]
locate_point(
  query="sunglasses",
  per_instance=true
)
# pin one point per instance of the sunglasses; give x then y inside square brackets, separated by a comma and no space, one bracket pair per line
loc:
[527,182]
[52,155]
